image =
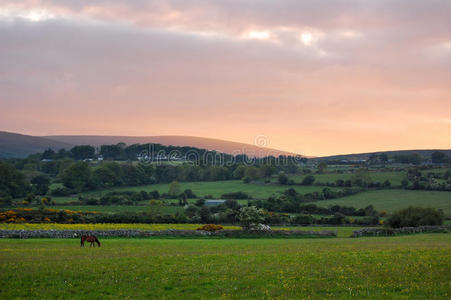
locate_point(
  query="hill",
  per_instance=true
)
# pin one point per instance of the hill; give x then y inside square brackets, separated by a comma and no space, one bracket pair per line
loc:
[20,145]
[14,145]
[426,153]
[172,140]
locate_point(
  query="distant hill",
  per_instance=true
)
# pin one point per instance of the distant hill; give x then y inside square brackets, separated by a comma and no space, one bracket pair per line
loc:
[20,145]
[172,140]
[426,153]
[14,145]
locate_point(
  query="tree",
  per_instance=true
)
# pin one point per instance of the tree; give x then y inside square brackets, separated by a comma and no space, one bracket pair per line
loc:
[416,216]
[383,158]
[405,182]
[114,152]
[266,170]
[77,176]
[438,157]
[308,180]
[174,189]
[200,202]
[250,216]
[83,152]
[322,167]
[247,179]
[283,178]
[155,207]
[204,214]
[239,172]
[12,182]
[108,174]
[41,184]
[252,172]
[6,200]
[191,211]
[362,178]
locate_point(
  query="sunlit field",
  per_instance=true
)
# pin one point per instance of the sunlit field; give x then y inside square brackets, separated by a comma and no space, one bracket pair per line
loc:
[217,188]
[404,267]
[394,199]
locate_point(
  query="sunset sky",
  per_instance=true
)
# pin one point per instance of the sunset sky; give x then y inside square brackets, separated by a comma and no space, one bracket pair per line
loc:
[314,77]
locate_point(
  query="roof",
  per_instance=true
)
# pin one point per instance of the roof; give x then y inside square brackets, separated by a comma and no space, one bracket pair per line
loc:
[214,202]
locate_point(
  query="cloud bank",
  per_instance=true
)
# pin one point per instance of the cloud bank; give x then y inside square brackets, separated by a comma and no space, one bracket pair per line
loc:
[317,77]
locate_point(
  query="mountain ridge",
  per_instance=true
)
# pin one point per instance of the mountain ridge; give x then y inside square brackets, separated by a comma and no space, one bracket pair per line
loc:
[219,145]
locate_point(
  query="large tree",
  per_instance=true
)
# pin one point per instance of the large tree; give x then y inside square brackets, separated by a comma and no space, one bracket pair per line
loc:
[12,182]
[83,152]
[41,184]
[78,177]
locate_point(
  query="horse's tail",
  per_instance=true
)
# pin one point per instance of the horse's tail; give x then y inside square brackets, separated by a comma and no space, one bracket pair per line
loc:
[81,241]
[97,241]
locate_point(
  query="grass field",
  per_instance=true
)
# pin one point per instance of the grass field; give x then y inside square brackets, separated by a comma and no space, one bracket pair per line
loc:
[394,199]
[119,208]
[404,267]
[395,178]
[217,188]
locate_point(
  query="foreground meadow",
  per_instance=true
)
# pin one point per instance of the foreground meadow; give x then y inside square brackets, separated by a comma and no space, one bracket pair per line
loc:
[403,267]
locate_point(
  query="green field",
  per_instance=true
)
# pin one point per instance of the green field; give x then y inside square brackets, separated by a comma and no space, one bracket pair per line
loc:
[217,188]
[395,178]
[404,267]
[394,199]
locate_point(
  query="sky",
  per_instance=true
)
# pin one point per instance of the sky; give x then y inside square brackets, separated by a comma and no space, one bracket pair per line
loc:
[311,77]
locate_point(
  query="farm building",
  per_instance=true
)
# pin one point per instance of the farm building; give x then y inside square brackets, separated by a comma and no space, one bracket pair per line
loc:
[213,202]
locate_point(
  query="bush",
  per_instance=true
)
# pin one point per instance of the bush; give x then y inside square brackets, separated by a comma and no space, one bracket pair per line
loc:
[308,180]
[61,192]
[247,179]
[200,202]
[250,217]
[210,227]
[235,195]
[416,216]
[283,178]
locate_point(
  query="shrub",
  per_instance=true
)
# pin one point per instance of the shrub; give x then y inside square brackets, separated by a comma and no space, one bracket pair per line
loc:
[416,216]
[61,192]
[210,227]
[250,217]
[235,195]
[200,202]
[283,178]
[247,179]
[308,180]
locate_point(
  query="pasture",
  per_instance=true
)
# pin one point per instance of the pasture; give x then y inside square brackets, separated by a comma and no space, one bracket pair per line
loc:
[217,188]
[394,177]
[403,267]
[394,199]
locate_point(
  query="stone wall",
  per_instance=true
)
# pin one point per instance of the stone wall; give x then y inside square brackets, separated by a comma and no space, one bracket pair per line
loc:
[378,231]
[24,234]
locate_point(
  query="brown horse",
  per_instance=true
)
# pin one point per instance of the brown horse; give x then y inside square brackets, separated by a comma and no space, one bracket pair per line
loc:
[89,238]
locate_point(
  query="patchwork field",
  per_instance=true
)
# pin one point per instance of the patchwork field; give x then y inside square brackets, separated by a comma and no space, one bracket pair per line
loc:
[394,199]
[404,267]
[395,178]
[217,188]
